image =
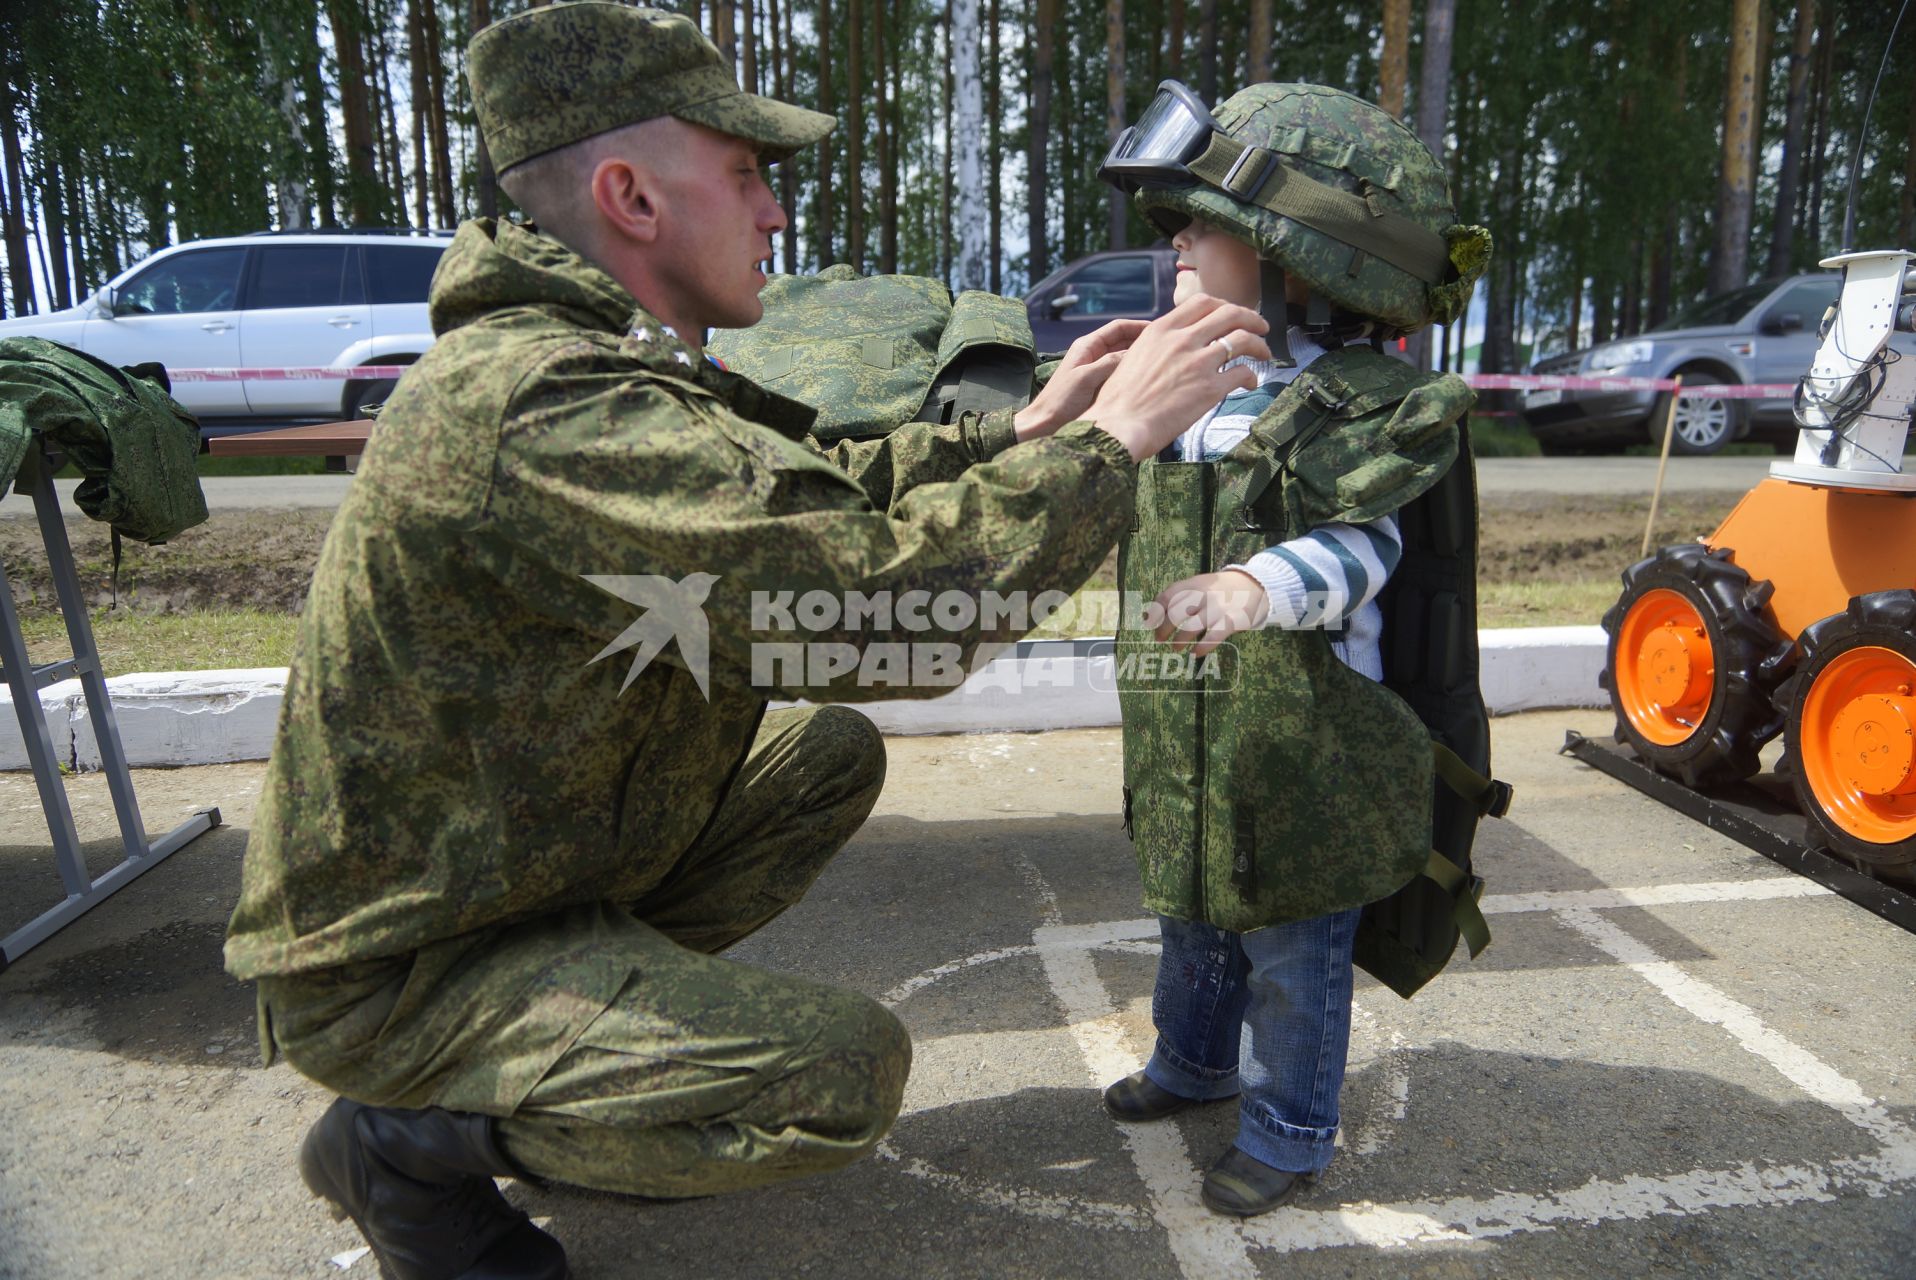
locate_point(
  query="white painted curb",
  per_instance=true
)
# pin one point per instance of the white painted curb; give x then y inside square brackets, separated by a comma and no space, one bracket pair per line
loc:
[216,717]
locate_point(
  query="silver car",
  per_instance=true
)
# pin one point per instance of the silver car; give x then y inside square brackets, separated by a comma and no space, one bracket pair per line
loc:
[1762,333]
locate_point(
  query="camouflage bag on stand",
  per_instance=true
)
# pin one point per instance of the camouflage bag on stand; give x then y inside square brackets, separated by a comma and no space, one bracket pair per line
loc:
[870,352]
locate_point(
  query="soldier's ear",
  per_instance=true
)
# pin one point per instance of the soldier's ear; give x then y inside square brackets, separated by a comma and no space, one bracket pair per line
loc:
[626,199]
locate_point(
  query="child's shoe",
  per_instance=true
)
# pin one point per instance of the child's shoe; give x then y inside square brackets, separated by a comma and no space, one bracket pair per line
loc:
[1137,1097]
[1243,1186]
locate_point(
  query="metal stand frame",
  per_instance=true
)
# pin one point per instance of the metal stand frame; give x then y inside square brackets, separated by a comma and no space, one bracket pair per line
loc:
[25,681]
[1751,818]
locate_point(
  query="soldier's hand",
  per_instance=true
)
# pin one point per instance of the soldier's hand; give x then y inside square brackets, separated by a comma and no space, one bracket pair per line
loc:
[1078,379]
[1203,612]
[1173,372]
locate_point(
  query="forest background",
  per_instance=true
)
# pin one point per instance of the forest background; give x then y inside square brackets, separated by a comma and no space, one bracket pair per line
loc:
[1628,155]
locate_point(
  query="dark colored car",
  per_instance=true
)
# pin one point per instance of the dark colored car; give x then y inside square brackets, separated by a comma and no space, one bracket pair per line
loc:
[1762,333]
[1100,287]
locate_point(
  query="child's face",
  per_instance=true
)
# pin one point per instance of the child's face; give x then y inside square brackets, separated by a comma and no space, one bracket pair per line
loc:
[1216,262]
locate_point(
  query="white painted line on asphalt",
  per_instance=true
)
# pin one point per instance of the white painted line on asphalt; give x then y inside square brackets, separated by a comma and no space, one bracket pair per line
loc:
[1793,1062]
[1393,1100]
[918,982]
[1655,895]
[1597,1201]
[1083,1213]
[1207,1245]
[1077,936]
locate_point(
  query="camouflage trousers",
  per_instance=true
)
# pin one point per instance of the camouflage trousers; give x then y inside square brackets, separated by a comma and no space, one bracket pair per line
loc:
[702,1074]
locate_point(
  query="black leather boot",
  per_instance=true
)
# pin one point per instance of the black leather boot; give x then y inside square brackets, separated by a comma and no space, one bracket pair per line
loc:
[1137,1097]
[418,1185]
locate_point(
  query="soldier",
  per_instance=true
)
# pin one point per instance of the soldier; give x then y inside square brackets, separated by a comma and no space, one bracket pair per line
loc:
[1268,813]
[488,883]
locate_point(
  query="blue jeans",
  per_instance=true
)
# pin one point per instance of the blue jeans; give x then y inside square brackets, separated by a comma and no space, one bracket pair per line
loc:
[1266,1015]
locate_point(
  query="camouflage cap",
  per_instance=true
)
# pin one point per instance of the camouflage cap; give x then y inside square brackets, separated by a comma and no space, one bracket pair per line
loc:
[561,73]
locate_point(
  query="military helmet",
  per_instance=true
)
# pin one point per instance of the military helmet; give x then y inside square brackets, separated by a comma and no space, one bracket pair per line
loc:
[1325,185]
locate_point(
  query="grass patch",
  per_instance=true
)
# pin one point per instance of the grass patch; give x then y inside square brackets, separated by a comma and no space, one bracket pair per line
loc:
[1502,438]
[1544,604]
[197,641]
[209,465]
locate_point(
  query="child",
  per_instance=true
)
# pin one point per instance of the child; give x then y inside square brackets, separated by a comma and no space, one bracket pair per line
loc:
[1270,803]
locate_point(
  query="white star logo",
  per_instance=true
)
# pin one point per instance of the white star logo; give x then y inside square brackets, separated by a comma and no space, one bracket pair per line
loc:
[673,609]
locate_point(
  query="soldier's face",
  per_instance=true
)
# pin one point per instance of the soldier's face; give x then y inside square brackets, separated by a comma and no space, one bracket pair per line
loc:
[716,231]
[1216,262]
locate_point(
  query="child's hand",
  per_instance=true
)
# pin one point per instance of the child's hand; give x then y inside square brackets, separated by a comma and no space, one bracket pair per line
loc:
[1201,613]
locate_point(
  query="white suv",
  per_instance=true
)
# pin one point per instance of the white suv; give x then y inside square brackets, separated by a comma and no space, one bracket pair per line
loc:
[271,300]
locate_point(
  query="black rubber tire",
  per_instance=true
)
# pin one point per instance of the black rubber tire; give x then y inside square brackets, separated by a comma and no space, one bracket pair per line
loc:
[1697,444]
[365,393]
[1882,618]
[1752,657]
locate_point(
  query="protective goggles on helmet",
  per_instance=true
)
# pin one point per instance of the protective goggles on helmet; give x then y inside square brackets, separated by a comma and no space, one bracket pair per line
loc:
[1177,142]
[1157,151]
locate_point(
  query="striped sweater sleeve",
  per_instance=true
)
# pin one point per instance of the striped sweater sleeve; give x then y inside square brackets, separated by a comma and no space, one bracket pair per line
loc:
[1321,580]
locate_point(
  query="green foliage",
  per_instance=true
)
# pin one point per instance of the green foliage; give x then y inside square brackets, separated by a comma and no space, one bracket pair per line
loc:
[1586,135]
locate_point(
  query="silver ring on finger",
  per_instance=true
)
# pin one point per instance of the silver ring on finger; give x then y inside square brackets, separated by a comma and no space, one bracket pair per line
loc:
[1224,340]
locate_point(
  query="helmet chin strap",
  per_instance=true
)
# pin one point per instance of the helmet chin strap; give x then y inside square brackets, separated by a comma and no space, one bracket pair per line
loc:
[1271,305]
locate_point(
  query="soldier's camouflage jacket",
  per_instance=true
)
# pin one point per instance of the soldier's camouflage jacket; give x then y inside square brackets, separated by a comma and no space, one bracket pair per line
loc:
[1279,785]
[449,756]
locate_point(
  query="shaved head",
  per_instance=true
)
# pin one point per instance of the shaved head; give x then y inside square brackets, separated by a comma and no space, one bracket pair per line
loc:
[555,189]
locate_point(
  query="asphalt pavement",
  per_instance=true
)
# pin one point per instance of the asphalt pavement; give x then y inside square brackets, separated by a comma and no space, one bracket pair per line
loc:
[1676,1059]
[1494,476]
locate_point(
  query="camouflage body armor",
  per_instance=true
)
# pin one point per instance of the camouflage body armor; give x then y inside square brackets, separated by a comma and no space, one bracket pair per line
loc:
[870,352]
[1279,784]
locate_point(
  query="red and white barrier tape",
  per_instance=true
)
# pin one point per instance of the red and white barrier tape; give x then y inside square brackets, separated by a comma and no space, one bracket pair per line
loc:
[1482,381]
[320,373]
[1573,382]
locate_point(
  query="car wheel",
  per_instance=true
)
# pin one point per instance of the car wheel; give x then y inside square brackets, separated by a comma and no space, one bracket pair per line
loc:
[365,393]
[1702,426]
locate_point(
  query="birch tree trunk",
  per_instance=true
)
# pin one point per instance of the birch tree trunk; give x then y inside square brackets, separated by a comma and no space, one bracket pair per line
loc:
[290,187]
[968,141]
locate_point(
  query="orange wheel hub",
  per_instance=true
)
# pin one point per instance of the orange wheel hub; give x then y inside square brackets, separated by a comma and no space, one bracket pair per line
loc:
[1665,669]
[1859,743]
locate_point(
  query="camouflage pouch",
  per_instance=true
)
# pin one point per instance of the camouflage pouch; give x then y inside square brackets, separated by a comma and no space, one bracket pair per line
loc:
[870,352]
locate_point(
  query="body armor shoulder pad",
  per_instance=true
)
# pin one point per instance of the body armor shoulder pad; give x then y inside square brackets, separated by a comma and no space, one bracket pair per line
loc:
[1388,433]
